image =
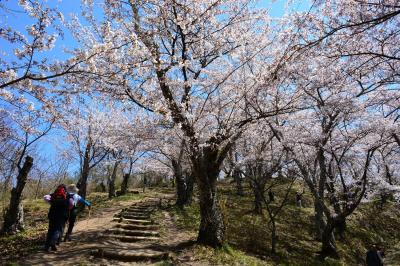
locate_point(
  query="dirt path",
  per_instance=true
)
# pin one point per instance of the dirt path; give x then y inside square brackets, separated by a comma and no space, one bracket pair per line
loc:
[103,234]
[177,241]
[84,239]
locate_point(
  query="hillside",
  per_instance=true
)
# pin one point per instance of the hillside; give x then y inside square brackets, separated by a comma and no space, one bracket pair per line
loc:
[248,236]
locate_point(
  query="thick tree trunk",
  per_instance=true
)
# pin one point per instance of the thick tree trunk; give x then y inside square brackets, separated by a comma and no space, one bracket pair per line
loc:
[258,190]
[189,188]
[124,185]
[258,199]
[212,227]
[340,226]
[319,220]
[206,171]
[111,183]
[328,241]
[13,220]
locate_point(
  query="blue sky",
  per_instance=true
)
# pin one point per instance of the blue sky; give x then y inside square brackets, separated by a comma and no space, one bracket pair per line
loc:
[17,20]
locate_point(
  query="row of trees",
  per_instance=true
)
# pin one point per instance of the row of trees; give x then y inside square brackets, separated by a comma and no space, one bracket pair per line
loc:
[200,86]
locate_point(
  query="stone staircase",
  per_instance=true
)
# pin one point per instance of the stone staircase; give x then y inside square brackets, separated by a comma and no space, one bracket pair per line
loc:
[133,237]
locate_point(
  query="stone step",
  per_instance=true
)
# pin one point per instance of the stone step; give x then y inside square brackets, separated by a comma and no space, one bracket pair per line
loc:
[132,238]
[130,232]
[133,221]
[135,217]
[133,213]
[129,255]
[136,226]
[140,209]
[144,205]
[136,213]
[143,215]
[136,210]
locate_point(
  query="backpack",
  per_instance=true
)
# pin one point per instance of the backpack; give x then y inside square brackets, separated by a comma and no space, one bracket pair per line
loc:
[58,205]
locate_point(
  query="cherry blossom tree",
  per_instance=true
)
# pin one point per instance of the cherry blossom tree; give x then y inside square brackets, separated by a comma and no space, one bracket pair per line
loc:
[332,141]
[170,149]
[364,35]
[85,126]
[262,158]
[201,65]
[266,164]
[28,127]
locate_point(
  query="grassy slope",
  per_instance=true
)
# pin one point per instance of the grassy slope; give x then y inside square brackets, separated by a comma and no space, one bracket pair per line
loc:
[249,238]
[247,234]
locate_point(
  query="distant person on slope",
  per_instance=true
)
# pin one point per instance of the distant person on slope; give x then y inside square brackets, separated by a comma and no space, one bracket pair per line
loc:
[58,214]
[374,257]
[73,212]
[299,199]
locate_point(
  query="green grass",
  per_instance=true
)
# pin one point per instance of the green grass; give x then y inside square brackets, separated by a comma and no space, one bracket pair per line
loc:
[164,263]
[188,218]
[26,242]
[249,234]
[129,197]
[226,255]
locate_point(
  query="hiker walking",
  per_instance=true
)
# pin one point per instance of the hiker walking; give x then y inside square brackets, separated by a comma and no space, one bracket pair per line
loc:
[58,213]
[72,191]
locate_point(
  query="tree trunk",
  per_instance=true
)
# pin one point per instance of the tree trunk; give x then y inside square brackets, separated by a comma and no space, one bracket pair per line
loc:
[212,228]
[258,198]
[103,187]
[82,182]
[397,138]
[13,219]
[189,188]
[144,183]
[111,183]
[180,184]
[206,171]
[319,220]
[238,181]
[328,241]
[124,185]
[274,238]
[340,226]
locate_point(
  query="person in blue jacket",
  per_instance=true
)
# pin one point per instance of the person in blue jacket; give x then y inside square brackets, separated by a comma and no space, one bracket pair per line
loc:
[73,212]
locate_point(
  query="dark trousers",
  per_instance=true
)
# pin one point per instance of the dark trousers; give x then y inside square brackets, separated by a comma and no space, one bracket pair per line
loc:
[71,221]
[54,232]
[61,233]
